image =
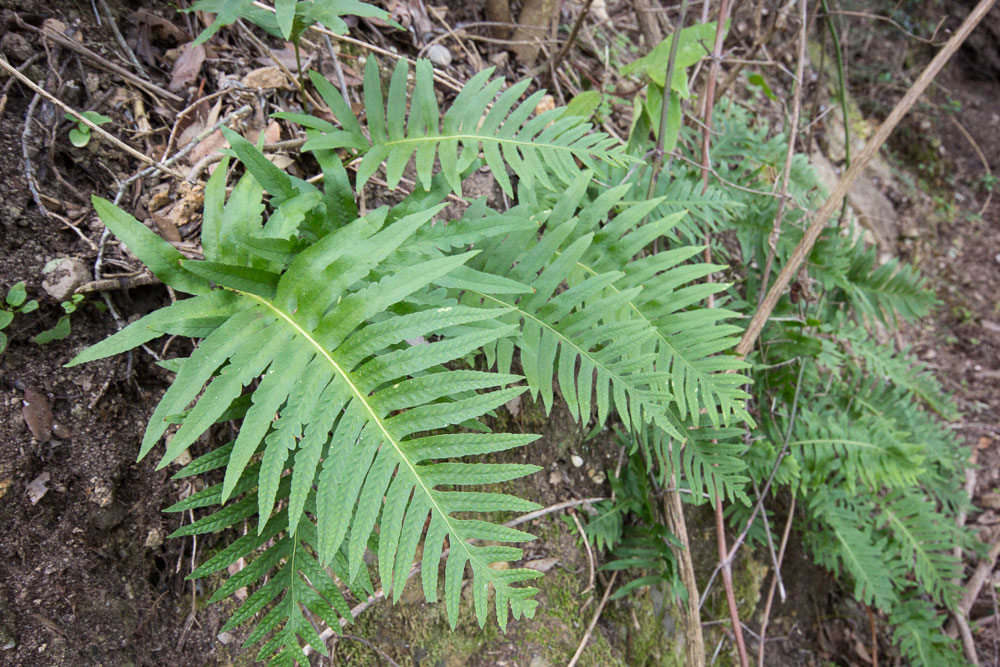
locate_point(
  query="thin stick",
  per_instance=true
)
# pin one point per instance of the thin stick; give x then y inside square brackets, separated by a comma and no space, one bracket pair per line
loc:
[121,40]
[593,622]
[818,223]
[667,87]
[842,93]
[982,158]
[86,121]
[694,645]
[105,64]
[774,582]
[720,524]
[772,241]
[979,577]
[558,56]
[590,553]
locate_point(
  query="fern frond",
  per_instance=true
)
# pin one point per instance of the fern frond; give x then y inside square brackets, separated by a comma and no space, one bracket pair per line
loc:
[535,149]
[849,543]
[866,448]
[924,539]
[899,368]
[919,631]
[339,391]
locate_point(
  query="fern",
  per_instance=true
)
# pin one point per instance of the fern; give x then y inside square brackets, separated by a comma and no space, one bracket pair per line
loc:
[352,400]
[546,144]
[362,354]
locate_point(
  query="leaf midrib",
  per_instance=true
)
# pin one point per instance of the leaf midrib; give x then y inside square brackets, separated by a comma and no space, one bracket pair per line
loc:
[380,423]
[673,350]
[569,341]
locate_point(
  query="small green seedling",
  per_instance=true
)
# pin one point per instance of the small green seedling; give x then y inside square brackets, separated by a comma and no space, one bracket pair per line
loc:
[15,302]
[79,136]
[62,328]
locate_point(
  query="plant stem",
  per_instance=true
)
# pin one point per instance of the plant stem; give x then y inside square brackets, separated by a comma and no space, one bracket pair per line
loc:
[298,77]
[818,223]
[664,109]
[720,524]
[772,241]
[842,82]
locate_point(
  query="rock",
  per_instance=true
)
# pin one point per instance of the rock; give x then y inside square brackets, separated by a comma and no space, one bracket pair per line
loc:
[439,55]
[539,661]
[154,538]
[63,276]
[16,48]
[577,461]
[38,487]
[873,209]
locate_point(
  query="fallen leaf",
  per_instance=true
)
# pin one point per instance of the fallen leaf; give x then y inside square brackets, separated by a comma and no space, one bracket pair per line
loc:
[159,23]
[187,66]
[37,415]
[208,145]
[167,228]
[265,78]
[542,564]
[38,487]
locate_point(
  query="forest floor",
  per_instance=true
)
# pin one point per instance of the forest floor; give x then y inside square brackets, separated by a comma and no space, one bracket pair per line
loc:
[86,574]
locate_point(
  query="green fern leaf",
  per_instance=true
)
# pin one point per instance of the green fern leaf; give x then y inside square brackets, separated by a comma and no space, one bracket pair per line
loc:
[339,393]
[535,149]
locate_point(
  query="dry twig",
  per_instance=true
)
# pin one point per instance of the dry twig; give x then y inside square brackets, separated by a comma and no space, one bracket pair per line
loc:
[593,622]
[819,220]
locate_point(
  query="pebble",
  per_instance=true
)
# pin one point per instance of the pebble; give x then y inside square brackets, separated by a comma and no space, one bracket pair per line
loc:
[63,276]
[577,461]
[439,55]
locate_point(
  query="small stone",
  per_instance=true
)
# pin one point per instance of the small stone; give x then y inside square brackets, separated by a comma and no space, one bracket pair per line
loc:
[555,477]
[154,539]
[225,638]
[38,487]
[539,661]
[596,476]
[439,55]
[265,78]
[100,493]
[63,276]
[16,47]
[577,461]
[60,431]
[547,103]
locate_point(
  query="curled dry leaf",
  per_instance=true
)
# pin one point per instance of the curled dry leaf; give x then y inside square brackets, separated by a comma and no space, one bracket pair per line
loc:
[187,66]
[37,415]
